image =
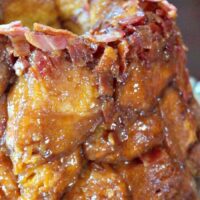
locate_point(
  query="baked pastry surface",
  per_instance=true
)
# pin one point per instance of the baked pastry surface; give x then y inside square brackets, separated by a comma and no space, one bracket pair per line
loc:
[108,114]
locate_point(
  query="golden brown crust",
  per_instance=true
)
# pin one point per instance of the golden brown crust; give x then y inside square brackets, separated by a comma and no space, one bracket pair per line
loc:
[50,180]
[8,182]
[104,115]
[103,147]
[180,123]
[100,182]
[157,176]
[57,114]
[30,11]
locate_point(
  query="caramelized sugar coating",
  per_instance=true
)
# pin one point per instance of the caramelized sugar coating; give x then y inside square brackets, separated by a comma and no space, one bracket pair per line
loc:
[104,115]
[99,182]
[50,180]
[52,116]
[140,91]
[157,176]
[3,114]
[5,71]
[193,160]
[180,122]
[143,134]
[8,182]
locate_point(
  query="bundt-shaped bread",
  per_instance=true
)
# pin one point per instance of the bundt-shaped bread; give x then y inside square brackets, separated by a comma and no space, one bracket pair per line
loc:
[107,115]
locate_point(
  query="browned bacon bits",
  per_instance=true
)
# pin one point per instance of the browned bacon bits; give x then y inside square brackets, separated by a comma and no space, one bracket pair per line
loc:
[105,115]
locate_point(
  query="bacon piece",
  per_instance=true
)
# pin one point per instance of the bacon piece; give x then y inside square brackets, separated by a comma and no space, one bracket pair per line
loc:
[123,49]
[46,42]
[81,49]
[21,47]
[167,7]
[42,62]
[111,36]
[52,31]
[138,17]
[15,31]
